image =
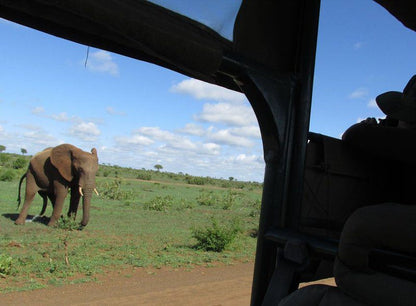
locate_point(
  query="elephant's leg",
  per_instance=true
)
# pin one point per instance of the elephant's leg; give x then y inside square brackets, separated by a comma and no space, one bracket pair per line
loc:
[52,198]
[60,195]
[73,207]
[29,196]
[44,196]
[30,192]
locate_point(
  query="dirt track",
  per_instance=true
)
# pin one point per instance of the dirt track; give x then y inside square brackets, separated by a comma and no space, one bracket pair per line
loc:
[225,285]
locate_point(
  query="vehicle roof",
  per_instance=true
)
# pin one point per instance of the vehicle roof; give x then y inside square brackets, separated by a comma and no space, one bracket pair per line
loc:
[265,33]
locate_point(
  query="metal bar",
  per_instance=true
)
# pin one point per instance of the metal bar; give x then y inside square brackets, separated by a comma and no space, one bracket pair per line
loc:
[325,247]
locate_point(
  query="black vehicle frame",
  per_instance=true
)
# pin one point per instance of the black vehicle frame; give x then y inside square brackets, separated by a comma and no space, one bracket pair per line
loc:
[270,59]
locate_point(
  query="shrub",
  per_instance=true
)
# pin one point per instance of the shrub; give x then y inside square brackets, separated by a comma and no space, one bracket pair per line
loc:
[215,237]
[144,176]
[19,163]
[159,203]
[194,180]
[229,199]
[67,223]
[5,265]
[225,184]
[4,158]
[183,204]
[207,198]
[7,176]
[113,191]
[256,207]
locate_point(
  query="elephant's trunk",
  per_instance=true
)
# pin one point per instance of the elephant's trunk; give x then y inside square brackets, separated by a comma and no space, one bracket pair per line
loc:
[86,204]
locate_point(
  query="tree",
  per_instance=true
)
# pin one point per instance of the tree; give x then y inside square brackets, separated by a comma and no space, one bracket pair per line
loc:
[2,148]
[23,150]
[158,167]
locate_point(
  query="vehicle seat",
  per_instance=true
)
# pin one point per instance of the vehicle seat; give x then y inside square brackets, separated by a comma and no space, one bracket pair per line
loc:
[376,261]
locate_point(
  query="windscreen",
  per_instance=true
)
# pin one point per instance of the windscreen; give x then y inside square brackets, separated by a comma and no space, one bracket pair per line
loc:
[218,15]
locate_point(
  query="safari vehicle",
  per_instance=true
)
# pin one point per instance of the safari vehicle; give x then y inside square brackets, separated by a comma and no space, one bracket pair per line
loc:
[269,55]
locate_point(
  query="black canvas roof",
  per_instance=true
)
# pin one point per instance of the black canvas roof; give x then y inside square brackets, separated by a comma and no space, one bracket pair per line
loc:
[266,33]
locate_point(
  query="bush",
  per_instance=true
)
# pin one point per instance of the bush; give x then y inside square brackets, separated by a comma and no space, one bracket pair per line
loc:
[7,176]
[144,176]
[216,237]
[113,191]
[19,163]
[4,159]
[207,198]
[159,203]
[183,204]
[5,265]
[256,207]
[67,223]
[194,180]
[229,199]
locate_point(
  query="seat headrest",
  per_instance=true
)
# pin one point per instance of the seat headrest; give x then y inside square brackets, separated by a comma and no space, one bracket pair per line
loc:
[388,228]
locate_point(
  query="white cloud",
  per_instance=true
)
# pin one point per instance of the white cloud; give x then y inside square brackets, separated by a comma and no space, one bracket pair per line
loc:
[36,138]
[252,131]
[226,113]
[372,103]
[169,139]
[38,110]
[359,93]
[101,61]
[228,138]
[159,135]
[60,117]
[136,140]
[202,90]
[110,110]
[192,129]
[167,143]
[243,158]
[182,144]
[155,132]
[33,138]
[30,127]
[86,131]
[210,148]
[203,159]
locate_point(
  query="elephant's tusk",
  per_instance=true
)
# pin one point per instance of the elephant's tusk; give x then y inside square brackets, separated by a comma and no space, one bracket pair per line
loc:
[80,191]
[96,192]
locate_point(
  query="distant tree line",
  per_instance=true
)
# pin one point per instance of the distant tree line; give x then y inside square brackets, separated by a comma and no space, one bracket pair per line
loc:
[3,148]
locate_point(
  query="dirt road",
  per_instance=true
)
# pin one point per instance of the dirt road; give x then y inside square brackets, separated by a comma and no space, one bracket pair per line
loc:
[225,286]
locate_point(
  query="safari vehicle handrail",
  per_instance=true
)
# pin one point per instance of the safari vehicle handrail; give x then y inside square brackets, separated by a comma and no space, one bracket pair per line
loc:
[326,248]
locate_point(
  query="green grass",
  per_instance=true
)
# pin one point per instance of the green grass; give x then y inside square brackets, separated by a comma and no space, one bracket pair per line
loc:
[133,223]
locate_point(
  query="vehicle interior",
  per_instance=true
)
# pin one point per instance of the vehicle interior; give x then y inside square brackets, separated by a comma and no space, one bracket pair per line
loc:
[328,209]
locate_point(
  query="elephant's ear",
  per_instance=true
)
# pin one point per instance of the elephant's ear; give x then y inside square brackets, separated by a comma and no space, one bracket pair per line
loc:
[61,158]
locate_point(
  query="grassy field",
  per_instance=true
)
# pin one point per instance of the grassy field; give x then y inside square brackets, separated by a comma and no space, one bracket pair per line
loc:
[142,218]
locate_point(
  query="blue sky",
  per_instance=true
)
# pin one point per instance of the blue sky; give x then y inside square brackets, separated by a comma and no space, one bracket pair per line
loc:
[137,114]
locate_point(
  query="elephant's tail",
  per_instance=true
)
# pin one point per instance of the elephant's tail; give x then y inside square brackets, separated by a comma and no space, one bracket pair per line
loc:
[20,185]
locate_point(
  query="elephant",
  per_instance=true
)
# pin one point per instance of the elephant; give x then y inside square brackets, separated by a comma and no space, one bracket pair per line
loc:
[54,171]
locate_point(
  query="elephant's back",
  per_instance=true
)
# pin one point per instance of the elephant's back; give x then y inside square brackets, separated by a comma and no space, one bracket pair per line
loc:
[41,157]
